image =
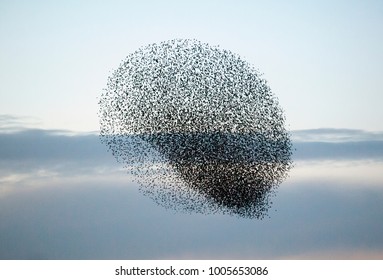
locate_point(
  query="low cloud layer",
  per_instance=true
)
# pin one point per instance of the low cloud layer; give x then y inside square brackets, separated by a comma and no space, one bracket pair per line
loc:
[336,135]
[37,144]
[63,196]
[111,220]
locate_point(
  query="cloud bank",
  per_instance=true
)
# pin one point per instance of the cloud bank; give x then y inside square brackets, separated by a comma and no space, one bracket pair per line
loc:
[63,196]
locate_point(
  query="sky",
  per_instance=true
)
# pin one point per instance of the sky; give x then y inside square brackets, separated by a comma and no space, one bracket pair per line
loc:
[64,196]
[322,59]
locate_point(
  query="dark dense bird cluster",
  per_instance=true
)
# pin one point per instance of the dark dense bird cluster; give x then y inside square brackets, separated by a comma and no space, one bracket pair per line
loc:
[198,128]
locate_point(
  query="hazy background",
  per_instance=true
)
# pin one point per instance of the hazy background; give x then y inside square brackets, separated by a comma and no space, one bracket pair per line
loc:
[63,196]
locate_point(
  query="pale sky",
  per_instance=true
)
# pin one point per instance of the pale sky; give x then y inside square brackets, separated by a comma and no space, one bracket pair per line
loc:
[322,59]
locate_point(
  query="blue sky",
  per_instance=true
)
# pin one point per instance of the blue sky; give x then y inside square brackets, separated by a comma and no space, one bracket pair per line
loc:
[63,196]
[322,59]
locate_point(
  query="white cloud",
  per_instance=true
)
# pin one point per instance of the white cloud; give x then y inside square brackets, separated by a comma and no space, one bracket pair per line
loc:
[334,135]
[343,173]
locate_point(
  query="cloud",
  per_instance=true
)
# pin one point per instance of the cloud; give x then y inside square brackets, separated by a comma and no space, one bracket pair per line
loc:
[12,123]
[31,149]
[36,157]
[49,144]
[357,150]
[34,154]
[110,220]
[336,135]
[38,144]
[337,144]
[65,197]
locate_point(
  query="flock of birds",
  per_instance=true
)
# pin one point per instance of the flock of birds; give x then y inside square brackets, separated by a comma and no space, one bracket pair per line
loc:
[198,128]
